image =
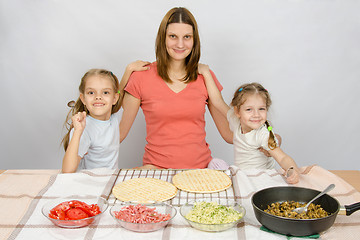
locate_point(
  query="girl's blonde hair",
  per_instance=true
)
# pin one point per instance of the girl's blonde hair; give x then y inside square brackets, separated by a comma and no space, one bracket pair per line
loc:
[78,106]
[239,99]
[177,15]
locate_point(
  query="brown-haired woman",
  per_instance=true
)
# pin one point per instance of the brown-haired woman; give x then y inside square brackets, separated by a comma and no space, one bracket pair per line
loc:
[173,97]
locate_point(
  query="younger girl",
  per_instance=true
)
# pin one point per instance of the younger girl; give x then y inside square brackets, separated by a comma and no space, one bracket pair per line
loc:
[93,139]
[251,130]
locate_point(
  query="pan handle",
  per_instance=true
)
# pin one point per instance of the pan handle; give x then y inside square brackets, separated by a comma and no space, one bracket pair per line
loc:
[349,209]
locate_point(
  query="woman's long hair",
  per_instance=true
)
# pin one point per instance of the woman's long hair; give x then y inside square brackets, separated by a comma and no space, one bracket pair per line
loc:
[177,15]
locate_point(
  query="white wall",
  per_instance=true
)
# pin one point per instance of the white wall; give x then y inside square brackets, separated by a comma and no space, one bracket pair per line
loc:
[306,53]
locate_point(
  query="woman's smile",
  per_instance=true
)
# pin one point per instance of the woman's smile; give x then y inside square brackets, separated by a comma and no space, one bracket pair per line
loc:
[179,40]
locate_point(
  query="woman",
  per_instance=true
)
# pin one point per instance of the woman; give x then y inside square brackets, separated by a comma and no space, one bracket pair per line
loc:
[173,97]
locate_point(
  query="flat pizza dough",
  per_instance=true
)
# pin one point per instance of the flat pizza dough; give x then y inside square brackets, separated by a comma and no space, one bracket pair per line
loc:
[202,181]
[144,190]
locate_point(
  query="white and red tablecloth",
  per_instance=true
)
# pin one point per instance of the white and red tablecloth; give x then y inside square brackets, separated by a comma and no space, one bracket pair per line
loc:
[24,192]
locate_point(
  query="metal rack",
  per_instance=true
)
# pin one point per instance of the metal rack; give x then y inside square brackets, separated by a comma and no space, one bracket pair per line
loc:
[167,175]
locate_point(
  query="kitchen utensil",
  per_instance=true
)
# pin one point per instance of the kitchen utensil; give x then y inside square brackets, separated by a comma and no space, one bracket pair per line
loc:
[326,190]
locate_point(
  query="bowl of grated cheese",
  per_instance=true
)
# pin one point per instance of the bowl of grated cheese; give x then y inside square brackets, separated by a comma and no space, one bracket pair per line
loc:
[212,215]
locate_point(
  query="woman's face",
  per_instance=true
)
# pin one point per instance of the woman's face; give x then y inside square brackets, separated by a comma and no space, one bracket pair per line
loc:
[179,40]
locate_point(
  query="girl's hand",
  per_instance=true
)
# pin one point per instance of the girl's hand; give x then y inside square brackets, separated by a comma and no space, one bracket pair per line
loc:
[203,68]
[292,176]
[79,121]
[71,158]
[138,66]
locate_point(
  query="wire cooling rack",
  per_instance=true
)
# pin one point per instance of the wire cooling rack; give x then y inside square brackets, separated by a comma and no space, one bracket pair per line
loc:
[167,175]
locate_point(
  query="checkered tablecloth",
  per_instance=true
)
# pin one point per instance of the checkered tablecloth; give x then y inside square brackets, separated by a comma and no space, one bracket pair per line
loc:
[24,192]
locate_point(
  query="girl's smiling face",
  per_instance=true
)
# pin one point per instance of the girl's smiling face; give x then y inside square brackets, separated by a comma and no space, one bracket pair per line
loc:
[252,113]
[179,40]
[99,97]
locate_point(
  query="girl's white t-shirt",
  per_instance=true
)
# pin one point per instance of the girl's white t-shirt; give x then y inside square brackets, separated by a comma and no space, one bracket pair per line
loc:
[246,146]
[100,143]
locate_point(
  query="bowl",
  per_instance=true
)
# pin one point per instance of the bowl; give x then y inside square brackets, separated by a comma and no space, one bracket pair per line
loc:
[83,222]
[212,227]
[141,225]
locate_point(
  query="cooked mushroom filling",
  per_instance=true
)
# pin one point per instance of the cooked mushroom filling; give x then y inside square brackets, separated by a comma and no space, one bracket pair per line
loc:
[285,209]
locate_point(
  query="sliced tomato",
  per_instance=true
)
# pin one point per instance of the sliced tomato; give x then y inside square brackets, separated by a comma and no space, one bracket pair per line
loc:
[61,214]
[64,206]
[76,203]
[76,214]
[74,210]
[86,210]
[94,209]
[53,216]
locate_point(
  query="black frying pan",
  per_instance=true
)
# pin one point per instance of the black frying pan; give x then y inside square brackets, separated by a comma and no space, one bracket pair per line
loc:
[297,227]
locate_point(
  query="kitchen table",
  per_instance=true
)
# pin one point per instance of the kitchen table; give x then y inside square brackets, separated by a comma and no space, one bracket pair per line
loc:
[24,192]
[350,176]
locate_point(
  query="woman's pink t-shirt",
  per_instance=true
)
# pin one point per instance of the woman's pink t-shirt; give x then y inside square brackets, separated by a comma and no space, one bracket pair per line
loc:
[175,122]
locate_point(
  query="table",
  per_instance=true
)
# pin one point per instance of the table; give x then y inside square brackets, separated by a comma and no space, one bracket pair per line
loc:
[24,192]
[350,176]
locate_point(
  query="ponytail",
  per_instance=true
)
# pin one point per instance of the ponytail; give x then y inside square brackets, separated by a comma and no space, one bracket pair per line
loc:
[76,107]
[272,144]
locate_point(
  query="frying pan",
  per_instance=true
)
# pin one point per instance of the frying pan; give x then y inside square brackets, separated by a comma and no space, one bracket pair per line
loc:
[297,227]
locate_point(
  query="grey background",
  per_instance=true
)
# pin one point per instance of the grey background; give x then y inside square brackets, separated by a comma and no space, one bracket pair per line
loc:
[305,52]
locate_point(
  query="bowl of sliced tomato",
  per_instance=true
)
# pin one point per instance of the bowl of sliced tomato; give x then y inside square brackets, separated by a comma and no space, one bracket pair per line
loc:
[74,213]
[143,217]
